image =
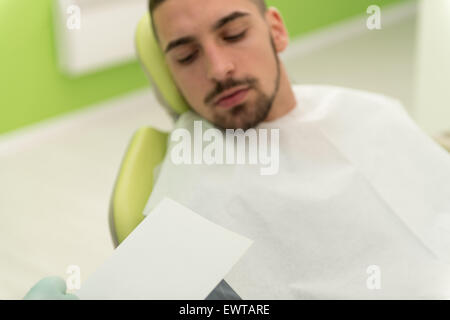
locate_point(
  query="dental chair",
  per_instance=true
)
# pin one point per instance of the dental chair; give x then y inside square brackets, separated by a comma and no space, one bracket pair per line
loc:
[147,149]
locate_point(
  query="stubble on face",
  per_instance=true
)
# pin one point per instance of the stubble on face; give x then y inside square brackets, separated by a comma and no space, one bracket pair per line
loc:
[248,114]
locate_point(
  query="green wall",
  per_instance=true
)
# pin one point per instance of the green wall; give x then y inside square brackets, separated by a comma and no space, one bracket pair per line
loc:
[32,88]
[306,15]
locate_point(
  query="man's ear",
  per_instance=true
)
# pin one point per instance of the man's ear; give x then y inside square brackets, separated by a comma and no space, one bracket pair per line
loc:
[277,28]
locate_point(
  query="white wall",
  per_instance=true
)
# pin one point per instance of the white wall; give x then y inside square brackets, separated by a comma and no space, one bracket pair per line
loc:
[350,55]
[432,109]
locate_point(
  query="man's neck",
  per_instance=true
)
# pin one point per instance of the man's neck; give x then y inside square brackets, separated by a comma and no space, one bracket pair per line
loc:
[284,101]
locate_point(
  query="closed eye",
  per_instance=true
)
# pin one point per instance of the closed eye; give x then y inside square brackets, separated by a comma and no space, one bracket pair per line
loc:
[233,38]
[236,37]
[188,59]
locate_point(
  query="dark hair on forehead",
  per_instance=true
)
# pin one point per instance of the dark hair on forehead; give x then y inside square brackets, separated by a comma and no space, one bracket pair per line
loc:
[153,4]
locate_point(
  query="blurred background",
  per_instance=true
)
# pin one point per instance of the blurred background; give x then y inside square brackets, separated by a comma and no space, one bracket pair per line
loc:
[71,99]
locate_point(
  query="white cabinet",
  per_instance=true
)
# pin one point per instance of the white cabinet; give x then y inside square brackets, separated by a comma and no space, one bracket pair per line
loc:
[95,34]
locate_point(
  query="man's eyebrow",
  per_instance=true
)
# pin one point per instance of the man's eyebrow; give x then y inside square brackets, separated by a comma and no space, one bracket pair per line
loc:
[219,24]
[233,16]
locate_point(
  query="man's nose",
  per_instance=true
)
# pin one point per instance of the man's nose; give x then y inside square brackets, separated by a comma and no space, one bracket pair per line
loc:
[219,65]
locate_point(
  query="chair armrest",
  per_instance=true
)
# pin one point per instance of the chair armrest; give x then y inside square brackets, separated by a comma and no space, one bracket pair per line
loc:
[135,181]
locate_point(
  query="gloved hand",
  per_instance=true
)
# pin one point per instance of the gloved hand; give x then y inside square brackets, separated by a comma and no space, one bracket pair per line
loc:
[50,288]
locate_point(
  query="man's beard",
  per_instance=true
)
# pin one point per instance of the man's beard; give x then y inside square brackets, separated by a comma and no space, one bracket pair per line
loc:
[246,115]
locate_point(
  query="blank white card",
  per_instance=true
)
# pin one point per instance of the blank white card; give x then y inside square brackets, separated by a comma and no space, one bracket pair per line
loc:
[173,254]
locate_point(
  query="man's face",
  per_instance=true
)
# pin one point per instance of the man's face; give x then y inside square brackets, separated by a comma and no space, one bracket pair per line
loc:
[222,57]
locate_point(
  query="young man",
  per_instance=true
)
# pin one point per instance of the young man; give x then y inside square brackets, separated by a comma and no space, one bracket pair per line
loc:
[223,56]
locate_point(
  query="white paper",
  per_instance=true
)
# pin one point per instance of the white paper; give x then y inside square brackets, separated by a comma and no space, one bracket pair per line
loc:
[173,254]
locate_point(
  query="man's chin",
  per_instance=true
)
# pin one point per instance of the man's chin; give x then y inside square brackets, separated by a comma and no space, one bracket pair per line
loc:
[237,118]
[244,116]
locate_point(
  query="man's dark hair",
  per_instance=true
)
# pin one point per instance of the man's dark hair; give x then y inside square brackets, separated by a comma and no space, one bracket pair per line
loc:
[153,4]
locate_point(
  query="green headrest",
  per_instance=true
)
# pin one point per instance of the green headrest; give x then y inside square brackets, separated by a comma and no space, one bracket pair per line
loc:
[153,63]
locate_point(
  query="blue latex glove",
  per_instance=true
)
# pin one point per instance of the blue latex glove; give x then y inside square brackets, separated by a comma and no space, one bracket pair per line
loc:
[50,288]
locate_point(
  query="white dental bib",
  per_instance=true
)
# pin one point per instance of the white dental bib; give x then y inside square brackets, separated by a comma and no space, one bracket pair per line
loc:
[360,207]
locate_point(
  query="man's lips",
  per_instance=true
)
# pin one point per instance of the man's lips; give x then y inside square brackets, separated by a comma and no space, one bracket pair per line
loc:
[232,97]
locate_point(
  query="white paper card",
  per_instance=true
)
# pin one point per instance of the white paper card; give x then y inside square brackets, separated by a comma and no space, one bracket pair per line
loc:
[173,254]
